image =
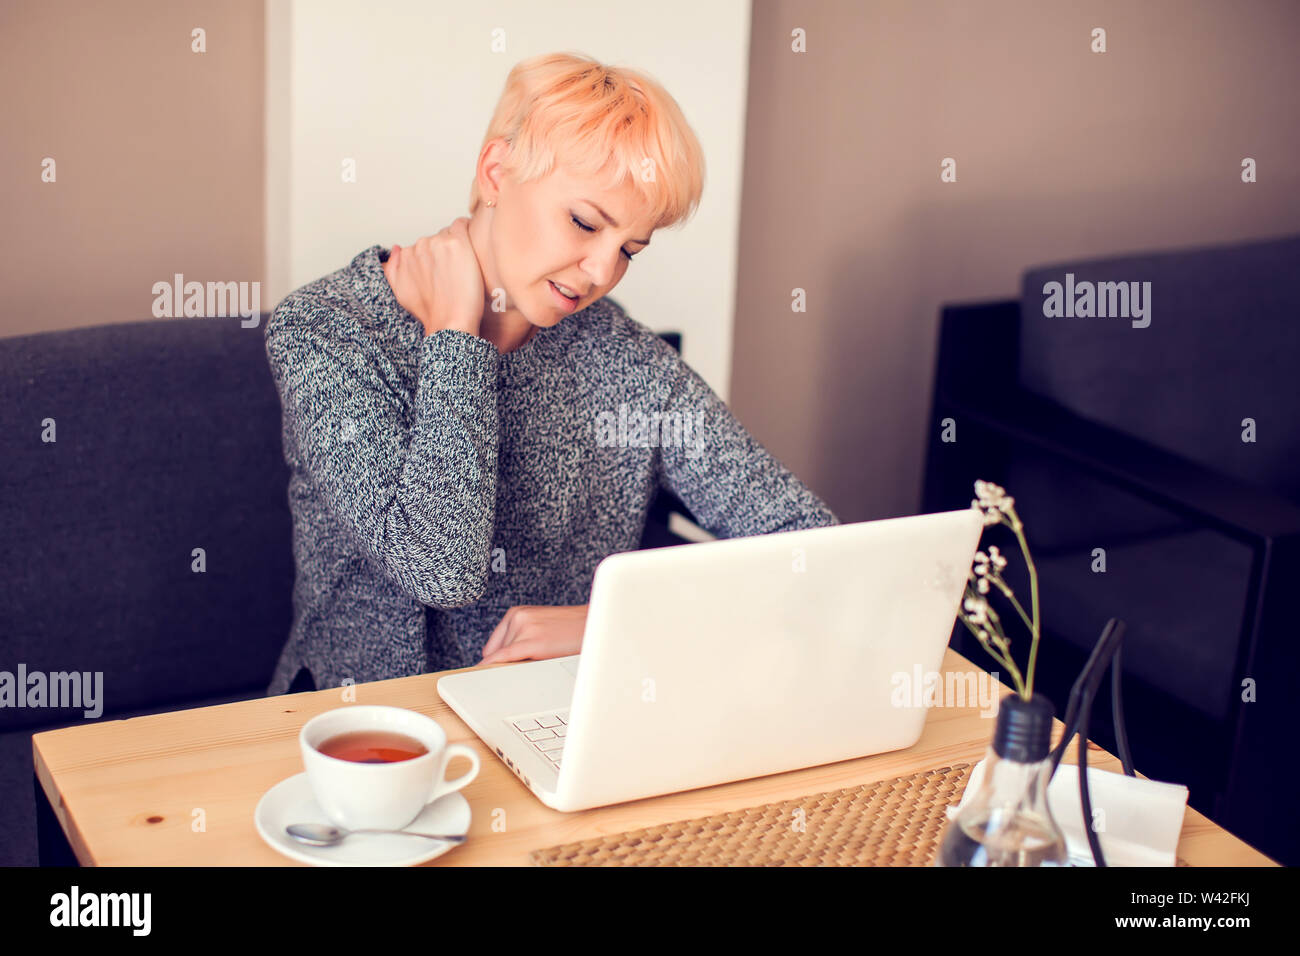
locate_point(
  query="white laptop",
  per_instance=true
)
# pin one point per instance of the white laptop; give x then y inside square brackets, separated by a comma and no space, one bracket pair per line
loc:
[707,663]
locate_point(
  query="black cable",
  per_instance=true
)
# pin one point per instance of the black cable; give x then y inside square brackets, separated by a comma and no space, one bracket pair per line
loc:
[1117,717]
[1085,794]
[1086,683]
[1079,711]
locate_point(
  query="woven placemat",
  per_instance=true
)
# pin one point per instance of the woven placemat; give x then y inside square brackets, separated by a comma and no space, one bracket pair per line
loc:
[887,823]
[894,822]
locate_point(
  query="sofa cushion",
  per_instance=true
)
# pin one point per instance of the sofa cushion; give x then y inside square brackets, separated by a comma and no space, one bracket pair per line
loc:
[1223,344]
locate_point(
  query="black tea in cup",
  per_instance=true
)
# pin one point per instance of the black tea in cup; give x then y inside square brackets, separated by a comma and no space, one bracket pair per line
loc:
[372,746]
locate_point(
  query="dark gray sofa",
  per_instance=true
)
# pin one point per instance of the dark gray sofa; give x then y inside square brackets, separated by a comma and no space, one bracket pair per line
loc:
[1125,442]
[167,440]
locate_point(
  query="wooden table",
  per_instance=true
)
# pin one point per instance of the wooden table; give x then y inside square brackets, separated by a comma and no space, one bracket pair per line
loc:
[125,791]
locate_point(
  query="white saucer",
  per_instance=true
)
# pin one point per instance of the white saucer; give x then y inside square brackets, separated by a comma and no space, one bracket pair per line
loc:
[291,801]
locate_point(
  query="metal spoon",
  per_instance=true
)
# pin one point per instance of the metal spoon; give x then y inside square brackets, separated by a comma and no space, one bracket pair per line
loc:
[322,834]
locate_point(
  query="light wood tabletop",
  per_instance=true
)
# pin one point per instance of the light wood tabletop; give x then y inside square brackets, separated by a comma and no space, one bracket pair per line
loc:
[126,791]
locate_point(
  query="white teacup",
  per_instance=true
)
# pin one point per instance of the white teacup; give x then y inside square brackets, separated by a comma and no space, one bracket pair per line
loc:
[385,796]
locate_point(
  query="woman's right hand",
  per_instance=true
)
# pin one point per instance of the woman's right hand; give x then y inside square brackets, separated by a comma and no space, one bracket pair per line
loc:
[438,280]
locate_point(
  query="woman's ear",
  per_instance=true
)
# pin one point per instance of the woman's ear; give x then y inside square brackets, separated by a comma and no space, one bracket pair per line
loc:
[491,167]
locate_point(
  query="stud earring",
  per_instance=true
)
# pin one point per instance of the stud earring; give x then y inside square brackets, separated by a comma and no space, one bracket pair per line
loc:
[492,202]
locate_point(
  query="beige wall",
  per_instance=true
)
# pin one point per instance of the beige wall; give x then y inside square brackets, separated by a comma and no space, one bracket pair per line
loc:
[1060,153]
[158,152]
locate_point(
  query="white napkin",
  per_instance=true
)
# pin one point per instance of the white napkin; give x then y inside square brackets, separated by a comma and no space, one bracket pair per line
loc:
[1139,821]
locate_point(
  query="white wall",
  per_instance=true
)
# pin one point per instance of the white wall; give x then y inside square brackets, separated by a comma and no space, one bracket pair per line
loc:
[406,89]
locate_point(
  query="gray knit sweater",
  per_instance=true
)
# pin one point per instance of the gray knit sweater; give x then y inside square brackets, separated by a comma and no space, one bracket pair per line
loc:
[435,482]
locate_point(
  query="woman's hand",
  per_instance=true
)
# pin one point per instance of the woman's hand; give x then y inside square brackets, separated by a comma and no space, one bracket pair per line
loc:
[530,632]
[438,280]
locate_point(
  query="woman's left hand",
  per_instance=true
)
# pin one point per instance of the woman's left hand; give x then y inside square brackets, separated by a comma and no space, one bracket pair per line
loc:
[533,632]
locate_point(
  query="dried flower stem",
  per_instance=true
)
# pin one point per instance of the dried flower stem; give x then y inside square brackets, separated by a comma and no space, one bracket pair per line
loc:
[1018,528]
[1004,658]
[996,507]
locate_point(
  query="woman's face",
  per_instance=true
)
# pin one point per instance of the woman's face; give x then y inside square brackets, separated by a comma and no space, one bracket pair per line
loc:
[538,234]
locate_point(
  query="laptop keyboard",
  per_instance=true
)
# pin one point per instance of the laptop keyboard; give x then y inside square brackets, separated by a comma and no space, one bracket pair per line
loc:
[545,732]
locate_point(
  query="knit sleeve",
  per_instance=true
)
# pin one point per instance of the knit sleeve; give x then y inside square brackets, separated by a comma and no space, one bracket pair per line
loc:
[415,488]
[732,484]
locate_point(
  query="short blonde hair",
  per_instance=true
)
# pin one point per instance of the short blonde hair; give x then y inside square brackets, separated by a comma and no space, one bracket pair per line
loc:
[569,110]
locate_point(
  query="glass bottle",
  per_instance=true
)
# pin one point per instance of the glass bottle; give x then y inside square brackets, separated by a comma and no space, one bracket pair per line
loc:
[1008,822]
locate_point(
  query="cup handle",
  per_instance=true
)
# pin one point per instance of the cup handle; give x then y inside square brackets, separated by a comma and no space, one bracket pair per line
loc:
[443,787]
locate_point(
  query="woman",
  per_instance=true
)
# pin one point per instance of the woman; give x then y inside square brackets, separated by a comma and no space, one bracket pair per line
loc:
[450,407]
